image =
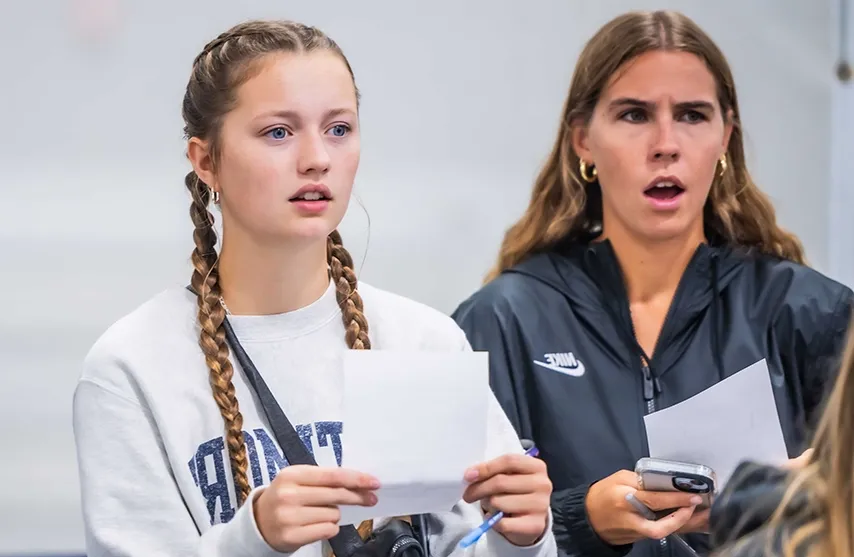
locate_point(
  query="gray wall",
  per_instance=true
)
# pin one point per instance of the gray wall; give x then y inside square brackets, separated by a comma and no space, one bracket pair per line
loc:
[840,224]
[461,101]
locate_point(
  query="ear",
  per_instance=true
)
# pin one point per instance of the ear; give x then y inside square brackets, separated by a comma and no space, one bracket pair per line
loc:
[580,140]
[198,151]
[728,126]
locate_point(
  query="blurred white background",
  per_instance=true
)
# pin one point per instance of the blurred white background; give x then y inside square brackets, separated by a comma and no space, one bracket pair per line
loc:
[461,102]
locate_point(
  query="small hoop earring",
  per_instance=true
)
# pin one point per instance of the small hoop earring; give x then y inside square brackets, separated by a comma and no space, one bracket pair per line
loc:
[215,197]
[723,164]
[582,169]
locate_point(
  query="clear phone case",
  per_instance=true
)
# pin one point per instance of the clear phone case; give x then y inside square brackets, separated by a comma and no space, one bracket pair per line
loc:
[667,475]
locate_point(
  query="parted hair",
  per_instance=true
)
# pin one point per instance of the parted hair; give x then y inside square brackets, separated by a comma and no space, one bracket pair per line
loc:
[223,65]
[564,207]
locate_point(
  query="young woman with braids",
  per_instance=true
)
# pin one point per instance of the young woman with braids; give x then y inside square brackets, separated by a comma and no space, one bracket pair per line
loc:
[647,267]
[271,113]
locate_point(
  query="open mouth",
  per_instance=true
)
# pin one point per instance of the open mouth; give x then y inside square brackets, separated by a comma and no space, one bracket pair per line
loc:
[310,196]
[664,190]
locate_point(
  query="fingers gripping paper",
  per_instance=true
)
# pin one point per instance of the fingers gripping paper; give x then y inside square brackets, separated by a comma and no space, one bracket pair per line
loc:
[729,422]
[415,421]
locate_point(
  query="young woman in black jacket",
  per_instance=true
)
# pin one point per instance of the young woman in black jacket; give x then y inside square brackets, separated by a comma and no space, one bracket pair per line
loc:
[647,267]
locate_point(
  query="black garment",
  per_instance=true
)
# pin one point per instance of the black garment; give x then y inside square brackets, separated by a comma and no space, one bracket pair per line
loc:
[739,521]
[566,367]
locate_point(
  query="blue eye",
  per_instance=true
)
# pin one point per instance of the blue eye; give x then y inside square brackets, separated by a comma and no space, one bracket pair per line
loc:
[277,133]
[339,130]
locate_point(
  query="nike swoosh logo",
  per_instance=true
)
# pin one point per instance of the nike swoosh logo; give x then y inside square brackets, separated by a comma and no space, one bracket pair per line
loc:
[577,371]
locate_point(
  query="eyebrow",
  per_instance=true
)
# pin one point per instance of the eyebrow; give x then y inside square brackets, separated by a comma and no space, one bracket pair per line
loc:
[627,102]
[294,116]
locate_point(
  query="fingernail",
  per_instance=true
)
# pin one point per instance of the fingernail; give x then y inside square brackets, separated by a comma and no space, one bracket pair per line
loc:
[372,500]
[696,500]
[471,475]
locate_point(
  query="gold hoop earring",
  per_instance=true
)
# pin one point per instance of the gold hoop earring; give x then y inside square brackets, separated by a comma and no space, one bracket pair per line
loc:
[723,164]
[215,196]
[582,169]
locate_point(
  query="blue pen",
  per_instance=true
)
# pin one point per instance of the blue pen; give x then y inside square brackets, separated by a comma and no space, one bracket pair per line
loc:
[472,537]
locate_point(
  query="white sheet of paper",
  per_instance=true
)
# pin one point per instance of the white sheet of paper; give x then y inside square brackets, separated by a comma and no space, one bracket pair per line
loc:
[415,421]
[729,422]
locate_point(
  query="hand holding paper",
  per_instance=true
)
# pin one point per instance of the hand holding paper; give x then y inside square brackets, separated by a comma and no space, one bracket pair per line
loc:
[514,484]
[296,508]
[416,421]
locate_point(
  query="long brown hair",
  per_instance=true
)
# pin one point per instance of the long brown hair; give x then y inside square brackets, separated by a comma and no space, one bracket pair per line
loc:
[218,71]
[825,524]
[564,207]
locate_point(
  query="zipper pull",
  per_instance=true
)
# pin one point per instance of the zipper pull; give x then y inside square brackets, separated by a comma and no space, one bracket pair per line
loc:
[657,384]
[648,385]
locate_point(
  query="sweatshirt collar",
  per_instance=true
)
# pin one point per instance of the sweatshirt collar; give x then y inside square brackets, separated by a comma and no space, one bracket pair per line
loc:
[290,324]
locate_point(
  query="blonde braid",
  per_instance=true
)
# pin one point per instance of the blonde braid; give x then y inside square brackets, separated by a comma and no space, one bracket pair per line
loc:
[205,282]
[341,267]
[352,311]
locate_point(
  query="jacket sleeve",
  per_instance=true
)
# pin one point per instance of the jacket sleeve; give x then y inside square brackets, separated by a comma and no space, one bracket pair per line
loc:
[573,532]
[492,328]
[814,339]
[489,331]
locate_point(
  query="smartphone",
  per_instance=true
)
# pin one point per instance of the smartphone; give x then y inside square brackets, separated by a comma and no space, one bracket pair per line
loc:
[667,475]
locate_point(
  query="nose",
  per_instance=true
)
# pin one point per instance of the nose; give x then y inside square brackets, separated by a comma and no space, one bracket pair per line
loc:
[665,148]
[313,155]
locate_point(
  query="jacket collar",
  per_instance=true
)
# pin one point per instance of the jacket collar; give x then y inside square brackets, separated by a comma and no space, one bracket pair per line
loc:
[589,276]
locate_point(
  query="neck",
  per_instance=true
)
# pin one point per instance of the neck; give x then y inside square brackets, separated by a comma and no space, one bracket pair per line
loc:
[652,270]
[272,279]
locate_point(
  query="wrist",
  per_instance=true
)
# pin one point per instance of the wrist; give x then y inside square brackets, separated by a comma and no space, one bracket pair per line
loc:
[258,514]
[528,540]
[590,513]
[573,525]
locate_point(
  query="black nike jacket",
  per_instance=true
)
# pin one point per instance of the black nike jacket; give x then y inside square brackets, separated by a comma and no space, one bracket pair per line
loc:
[566,367]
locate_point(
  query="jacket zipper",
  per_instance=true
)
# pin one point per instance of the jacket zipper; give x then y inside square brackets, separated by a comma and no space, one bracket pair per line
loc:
[651,387]
[651,384]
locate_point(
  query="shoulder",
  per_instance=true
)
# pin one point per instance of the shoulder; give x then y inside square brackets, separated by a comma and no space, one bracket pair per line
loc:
[515,288]
[398,322]
[798,295]
[740,522]
[518,295]
[164,324]
[795,283]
